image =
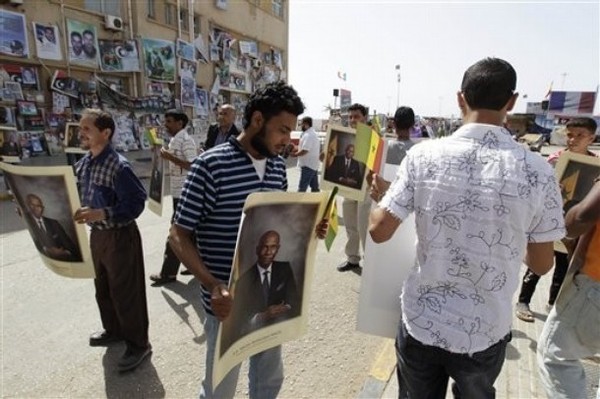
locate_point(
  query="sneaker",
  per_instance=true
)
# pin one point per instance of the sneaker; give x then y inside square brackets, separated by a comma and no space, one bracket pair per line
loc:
[523,312]
[133,358]
[347,266]
[161,280]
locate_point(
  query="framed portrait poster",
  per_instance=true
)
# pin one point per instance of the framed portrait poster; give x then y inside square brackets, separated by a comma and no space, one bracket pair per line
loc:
[277,229]
[575,174]
[71,141]
[157,182]
[47,199]
[340,167]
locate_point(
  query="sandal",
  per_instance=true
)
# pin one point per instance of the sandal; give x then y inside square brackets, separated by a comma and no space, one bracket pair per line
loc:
[524,313]
[161,280]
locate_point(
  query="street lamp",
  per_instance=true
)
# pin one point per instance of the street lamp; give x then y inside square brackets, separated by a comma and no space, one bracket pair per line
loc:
[398,90]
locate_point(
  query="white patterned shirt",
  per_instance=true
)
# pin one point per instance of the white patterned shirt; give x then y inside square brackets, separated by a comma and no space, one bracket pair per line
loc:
[183,147]
[479,198]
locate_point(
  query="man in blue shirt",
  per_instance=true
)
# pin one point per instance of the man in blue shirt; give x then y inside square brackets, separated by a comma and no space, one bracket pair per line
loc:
[112,197]
[208,217]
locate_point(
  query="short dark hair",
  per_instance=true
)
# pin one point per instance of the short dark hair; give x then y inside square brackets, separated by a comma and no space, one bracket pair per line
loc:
[404,118]
[75,34]
[489,84]
[178,115]
[102,120]
[358,107]
[586,123]
[271,100]
[88,32]
[307,120]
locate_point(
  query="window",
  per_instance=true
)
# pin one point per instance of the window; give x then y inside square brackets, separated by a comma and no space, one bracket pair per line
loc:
[277,7]
[184,19]
[110,7]
[170,14]
[196,25]
[151,9]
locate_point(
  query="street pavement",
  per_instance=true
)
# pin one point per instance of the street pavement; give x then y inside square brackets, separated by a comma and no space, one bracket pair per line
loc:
[46,321]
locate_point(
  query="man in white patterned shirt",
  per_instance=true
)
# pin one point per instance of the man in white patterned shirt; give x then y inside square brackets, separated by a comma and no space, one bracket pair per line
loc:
[482,204]
[180,154]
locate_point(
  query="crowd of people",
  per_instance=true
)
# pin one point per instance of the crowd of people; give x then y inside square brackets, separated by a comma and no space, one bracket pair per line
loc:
[483,205]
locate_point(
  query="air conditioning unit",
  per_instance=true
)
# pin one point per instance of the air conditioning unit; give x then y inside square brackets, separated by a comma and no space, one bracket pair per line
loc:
[256,64]
[112,22]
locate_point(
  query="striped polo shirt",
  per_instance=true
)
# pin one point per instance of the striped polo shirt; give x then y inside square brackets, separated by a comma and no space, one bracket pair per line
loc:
[212,200]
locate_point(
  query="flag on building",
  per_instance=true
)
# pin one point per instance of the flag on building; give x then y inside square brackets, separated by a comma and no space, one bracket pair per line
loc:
[572,102]
[342,75]
[366,145]
[333,227]
[547,96]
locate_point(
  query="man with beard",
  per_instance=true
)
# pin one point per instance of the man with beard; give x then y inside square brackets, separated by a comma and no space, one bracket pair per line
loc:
[208,217]
[76,46]
[89,48]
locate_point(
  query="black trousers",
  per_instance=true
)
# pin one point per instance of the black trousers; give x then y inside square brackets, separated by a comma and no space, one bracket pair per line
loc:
[530,280]
[120,283]
[171,263]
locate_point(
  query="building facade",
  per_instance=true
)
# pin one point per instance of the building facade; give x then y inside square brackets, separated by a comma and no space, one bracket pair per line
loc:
[135,58]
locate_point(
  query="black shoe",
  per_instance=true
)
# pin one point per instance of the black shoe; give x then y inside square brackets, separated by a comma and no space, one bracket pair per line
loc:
[161,280]
[103,338]
[186,272]
[133,358]
[347,266]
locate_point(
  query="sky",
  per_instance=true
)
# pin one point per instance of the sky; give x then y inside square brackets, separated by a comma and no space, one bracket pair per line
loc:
[548,43]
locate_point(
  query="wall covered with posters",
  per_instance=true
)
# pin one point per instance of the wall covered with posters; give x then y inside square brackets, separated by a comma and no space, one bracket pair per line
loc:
[60,57]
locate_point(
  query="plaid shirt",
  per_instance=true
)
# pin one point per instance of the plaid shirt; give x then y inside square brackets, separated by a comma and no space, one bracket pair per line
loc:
[108,182]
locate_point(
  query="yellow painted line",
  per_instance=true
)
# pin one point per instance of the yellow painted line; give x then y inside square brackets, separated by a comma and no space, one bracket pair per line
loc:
[385,361]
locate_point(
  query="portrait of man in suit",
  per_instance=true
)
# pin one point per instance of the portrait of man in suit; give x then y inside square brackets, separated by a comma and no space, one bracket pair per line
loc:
[48,234]
[345,170]
[266,293]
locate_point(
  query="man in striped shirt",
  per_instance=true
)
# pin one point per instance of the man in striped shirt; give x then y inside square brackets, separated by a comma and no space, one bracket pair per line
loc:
[208,217]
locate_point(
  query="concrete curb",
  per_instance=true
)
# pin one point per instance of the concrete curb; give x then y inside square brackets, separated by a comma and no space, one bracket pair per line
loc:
[381,371]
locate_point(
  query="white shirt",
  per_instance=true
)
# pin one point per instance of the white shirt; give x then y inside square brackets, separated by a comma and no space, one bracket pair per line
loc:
[479,198]
[183,147]
[309,141]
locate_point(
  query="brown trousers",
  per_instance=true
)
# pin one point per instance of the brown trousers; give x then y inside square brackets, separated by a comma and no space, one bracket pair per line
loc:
[120,283]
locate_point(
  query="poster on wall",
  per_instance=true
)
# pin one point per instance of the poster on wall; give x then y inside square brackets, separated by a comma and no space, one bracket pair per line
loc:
[47,41]
[186,50]
[83,43]
[26,76]
[63,84]
[119,56]
[188,92]
[13,36]
[187,69]
[201,102]
[159,59]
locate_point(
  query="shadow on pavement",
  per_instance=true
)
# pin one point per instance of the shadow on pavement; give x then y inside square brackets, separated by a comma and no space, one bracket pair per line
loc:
[190,292]
[143,382]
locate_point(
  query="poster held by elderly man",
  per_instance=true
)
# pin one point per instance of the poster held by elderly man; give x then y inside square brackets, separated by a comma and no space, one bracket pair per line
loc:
[47,199]
[271,276]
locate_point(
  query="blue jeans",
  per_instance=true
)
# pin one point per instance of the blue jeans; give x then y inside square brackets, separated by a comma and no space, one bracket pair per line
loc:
[308,177]
[571,332]
[265,375]
[425,369]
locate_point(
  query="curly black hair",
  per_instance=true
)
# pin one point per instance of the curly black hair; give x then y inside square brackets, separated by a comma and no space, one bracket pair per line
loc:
[271,100]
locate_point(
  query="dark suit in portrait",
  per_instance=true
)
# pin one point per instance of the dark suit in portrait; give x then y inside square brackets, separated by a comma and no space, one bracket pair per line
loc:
[339,173]
[52,240]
